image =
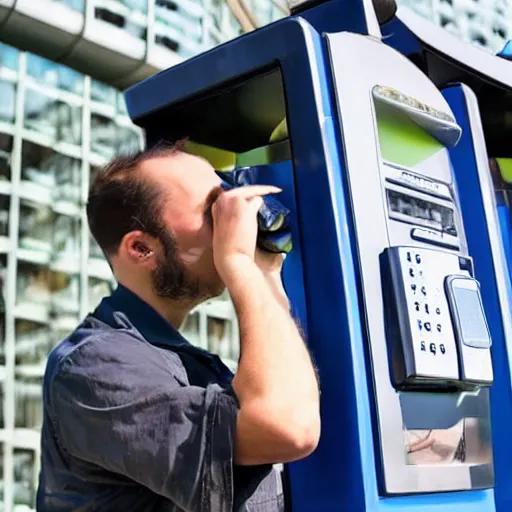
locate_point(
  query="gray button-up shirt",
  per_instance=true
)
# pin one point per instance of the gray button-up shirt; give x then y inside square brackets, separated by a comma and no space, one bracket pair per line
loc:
[138,419]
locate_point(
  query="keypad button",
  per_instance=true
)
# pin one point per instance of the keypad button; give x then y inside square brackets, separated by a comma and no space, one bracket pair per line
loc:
[417,306]
[420,325]
[427,326]
[423,290]
[427,309]
[413,287]
[423,347]
[411,272]
[442,348]
[418,258]
[408,256]
[438,311]
[438,327]
[433,348]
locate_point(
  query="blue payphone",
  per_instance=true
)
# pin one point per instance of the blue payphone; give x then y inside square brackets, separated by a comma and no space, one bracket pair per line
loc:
[478,87]
[380,274]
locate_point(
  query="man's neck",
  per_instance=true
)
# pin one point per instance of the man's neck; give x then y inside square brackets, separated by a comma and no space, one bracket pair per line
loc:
[172,311]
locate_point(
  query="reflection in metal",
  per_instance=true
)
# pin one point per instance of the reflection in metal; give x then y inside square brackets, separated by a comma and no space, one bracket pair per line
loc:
[458,433]
[465,442]
[438,124]
[436,446]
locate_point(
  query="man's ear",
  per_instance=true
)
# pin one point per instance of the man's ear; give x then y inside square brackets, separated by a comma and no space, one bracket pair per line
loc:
[139,248]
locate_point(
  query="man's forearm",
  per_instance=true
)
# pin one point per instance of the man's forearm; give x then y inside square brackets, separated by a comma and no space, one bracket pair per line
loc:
[277,288]
[275,370]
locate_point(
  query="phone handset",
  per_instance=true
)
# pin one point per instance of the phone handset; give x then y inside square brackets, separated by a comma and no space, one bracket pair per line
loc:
[470,328]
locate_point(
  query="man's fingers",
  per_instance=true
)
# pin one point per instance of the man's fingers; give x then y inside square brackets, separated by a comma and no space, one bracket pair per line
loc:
[251,195]
[256,203]
[251,191]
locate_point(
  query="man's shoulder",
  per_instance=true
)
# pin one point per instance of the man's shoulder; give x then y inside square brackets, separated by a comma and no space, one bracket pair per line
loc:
[89,336]
[95,348]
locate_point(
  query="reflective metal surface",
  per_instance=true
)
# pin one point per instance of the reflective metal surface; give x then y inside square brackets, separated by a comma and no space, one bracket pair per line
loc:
[439,124]
[428,441]
[458,432]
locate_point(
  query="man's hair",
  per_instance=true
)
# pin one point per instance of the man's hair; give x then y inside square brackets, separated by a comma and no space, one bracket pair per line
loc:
[121,200]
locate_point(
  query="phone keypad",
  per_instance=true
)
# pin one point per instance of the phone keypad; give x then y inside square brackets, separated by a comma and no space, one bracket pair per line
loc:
[422,306]
[433,343]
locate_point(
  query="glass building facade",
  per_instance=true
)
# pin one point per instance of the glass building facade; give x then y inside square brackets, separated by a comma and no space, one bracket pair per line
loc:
[484,23]
[57,126]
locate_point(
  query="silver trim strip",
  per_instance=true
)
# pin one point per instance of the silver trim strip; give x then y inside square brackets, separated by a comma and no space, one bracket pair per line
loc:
[432,237]
[491,215]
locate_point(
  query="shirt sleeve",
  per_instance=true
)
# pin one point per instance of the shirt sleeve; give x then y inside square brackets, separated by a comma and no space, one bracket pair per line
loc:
[124,410]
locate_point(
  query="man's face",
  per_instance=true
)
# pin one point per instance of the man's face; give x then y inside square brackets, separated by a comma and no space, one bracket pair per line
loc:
[185,268]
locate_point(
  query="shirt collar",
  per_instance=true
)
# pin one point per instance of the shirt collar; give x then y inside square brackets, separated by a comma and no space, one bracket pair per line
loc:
[153,327]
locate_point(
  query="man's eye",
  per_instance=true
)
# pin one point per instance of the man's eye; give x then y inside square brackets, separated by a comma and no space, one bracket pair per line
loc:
[210,200]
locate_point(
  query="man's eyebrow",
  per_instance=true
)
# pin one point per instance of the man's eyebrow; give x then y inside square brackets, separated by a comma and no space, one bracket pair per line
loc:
[211,198]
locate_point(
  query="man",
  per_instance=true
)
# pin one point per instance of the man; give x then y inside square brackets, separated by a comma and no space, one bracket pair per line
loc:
[135,417]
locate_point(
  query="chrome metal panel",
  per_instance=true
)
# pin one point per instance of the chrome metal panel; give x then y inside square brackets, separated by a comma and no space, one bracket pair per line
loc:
[442,127]
[403,418]
[490,208]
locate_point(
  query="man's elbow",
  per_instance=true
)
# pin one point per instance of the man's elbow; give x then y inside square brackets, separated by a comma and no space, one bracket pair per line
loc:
[268,435]
[294,432]
[300,437]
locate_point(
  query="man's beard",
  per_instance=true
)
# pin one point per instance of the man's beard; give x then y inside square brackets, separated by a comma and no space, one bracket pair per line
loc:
[171,280]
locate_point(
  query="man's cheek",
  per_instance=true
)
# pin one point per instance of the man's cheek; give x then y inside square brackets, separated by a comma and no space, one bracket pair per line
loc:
[197,245]
[192,255]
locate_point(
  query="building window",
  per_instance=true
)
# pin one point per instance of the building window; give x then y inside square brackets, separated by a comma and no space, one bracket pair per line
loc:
[109,137]
[9,57]
[53,117]
[178,26]
[25,475]
[8,103]
[5,202]
[55,75]
[103,93]
[49,173]
[103,135]
[129,15]
[5,157]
